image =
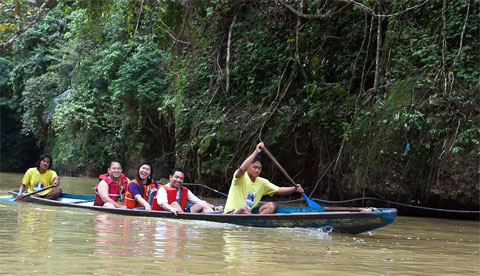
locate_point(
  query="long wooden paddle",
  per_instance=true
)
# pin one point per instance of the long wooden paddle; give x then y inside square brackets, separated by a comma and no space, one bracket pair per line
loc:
[40,190]
[311,203]
[12,199]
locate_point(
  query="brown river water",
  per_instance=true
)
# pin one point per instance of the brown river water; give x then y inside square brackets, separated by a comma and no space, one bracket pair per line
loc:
[47,240]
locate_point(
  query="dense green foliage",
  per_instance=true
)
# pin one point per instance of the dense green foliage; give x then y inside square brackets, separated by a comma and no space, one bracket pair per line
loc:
[198,83]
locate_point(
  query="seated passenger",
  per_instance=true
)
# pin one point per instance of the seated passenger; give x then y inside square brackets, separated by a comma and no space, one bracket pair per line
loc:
[141,190]
[41,177]
[174,197]
[110,191]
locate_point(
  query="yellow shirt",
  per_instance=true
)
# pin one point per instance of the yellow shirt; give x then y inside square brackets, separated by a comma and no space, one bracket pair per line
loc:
[33,177]
[242,186]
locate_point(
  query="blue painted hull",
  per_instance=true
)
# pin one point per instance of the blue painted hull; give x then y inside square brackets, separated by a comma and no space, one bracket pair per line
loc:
[343,220]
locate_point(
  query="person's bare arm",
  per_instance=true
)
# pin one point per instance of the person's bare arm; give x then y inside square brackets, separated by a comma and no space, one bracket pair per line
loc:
[56,181]
[142,201]
[173,209]
[20,191]
[247,162]
[290,190]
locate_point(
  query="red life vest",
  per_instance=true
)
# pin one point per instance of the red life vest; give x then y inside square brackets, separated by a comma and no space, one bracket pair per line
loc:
[172,196]
[115,191]
[130,201]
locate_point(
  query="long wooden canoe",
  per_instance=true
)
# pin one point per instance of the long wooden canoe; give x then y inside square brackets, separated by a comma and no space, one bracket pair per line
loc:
[336,219]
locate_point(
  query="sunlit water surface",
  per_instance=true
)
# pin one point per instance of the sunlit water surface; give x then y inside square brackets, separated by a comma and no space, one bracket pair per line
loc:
[41,240]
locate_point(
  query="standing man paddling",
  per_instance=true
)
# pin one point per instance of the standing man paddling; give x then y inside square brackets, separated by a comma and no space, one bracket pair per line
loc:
[247,188]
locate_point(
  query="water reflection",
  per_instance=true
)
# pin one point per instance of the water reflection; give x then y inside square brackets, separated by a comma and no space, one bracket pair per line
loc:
[111,235]
[171,239]
[248,250]
[123,236]
[35,231]
[241,252]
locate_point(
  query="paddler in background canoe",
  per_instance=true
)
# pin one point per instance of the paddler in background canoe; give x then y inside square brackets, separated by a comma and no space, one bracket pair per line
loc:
[40,177]
[176,198]
[247,188]
[110,191]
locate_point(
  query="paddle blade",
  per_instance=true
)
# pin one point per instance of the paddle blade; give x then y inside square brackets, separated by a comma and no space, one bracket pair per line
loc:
[311,203]
[7,198]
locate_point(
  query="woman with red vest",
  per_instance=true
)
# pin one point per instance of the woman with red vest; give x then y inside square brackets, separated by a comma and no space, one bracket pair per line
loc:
[174,197]
[111,187]
[141,190]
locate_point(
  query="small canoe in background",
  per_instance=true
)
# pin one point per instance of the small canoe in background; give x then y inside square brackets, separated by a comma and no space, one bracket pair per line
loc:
[336,219]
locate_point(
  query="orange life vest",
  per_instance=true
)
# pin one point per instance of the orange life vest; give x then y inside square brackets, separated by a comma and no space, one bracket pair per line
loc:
[130,201]
[115,191]
[172,196]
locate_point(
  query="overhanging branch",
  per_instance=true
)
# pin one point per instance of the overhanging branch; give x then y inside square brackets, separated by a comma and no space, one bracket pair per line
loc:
[35,18]
[342,9]
[314,16]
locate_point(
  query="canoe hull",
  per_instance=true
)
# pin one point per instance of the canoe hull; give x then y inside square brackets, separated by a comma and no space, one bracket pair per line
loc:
[343,220]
